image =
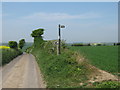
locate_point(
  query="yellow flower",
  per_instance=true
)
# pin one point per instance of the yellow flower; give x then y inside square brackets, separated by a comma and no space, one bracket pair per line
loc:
[4,47]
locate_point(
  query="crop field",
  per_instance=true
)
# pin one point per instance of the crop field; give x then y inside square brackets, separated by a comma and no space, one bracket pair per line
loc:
[103,57]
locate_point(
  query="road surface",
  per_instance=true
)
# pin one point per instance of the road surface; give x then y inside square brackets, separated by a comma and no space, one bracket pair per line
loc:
[22,72]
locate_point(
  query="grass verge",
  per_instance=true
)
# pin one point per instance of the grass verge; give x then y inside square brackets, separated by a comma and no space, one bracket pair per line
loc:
[61,71]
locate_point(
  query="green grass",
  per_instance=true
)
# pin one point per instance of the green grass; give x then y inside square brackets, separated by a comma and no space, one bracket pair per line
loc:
[107,84]
[61,71]
[0,57]
[103,57]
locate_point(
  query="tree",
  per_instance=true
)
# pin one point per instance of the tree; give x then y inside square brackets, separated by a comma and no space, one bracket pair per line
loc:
[21,43]
[13,44]
[37,34]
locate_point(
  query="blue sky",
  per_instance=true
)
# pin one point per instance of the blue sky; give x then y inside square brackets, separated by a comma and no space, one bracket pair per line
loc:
[84,21]
[0,22]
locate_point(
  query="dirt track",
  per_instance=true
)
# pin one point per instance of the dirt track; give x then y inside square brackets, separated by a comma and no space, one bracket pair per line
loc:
[22,72]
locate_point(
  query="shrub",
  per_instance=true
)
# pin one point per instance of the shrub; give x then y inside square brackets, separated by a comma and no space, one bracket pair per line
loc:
[81,44]
[99,44]
[118,43]
[77,44]
[21,43]
[13,44]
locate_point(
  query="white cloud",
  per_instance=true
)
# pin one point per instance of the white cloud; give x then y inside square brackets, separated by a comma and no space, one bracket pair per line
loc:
[61,16]
[76,29]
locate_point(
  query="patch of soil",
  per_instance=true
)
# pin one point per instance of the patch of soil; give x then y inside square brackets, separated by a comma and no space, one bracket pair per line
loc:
[100,75]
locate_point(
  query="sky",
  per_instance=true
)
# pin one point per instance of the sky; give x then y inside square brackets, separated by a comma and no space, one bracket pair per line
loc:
[0,22]
[84,21]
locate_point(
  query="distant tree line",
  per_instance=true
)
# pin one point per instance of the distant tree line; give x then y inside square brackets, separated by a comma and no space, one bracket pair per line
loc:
[93,44]
[116,43]
[80,44]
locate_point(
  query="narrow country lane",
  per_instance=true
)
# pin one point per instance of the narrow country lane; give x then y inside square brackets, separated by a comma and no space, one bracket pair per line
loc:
[22,72]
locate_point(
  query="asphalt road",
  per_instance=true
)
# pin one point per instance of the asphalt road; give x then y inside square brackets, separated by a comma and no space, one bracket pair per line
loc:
[22,72]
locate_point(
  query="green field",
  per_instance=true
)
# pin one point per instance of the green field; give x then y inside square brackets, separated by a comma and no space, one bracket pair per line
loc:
[103,57]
